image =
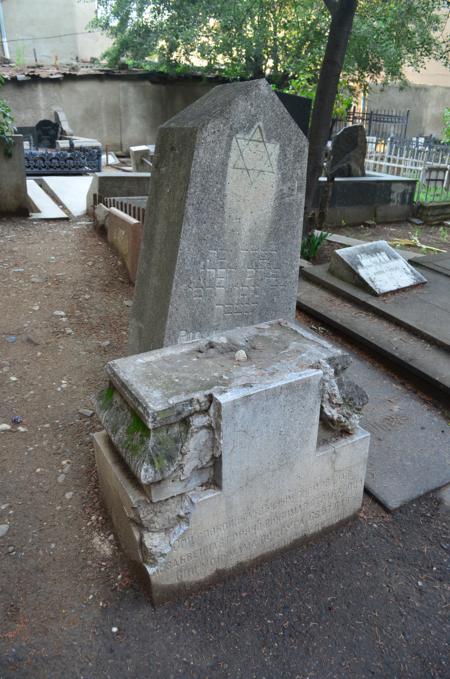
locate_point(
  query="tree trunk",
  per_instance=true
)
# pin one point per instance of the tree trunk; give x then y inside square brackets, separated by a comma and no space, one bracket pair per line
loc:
[342,14]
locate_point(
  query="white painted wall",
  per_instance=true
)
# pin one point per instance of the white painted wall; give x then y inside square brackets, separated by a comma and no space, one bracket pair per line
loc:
[55,29]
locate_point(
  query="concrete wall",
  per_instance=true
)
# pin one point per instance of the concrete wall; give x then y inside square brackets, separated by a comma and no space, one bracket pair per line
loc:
[13,186]
[426,104]
[56,29]
[119,112]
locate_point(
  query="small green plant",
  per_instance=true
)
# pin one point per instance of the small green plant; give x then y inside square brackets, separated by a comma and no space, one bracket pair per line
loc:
[417,233]
[443,233]
[312,243]
[446,134]
[19,58]
[6,124]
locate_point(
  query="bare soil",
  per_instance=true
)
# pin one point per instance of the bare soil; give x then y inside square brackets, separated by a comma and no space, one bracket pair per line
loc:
[366,600]
[436,236]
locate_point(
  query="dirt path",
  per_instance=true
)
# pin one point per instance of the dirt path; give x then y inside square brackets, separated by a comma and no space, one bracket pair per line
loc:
[367,600]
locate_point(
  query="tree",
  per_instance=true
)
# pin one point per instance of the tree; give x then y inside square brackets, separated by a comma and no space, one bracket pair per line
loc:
[291,42]
[282,39]
[342,15]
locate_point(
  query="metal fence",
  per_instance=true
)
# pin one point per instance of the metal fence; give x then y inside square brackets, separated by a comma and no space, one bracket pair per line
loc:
[418,159]
[125,205]
[383,124]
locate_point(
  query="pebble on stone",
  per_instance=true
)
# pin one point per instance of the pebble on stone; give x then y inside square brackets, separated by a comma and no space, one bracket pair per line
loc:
[240,355]
[86,412]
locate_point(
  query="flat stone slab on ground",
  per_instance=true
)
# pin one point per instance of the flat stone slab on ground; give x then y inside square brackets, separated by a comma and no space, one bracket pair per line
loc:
[424,310]
[70,191]
[374,267]
[409,453]
[228,462]
[439,263]
[47,208]
[414,354]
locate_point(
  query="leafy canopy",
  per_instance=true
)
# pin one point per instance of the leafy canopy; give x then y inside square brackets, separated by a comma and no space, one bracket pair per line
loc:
[282,39]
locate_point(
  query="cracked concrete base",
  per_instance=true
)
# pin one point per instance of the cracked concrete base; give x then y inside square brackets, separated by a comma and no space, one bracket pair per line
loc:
[215,463]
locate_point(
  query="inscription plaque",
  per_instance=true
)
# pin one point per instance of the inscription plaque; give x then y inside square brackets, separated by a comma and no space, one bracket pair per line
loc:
[375,267]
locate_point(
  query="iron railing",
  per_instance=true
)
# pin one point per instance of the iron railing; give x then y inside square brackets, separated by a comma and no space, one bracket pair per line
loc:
[382,124]
[125,205]
[419,159]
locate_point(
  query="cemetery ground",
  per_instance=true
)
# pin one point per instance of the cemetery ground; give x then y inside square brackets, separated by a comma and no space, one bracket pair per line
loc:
[368,599]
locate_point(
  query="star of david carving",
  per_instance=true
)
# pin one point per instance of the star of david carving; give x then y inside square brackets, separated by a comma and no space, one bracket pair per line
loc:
[256,155]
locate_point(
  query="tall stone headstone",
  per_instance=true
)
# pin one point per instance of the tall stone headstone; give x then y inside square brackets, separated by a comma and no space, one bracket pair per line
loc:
[223,227]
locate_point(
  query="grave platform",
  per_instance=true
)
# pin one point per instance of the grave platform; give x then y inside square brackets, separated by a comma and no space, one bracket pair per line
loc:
[412,352]
[423,310]
[211,462]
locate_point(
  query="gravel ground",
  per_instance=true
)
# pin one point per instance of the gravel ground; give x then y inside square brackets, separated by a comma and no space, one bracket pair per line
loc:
[367,600]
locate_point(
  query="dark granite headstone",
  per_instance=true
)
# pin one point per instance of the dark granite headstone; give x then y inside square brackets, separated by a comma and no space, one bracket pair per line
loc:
[298,107]
[348,153]
[46,134]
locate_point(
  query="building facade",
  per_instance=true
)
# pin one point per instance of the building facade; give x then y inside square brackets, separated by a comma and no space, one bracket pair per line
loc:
[49,32]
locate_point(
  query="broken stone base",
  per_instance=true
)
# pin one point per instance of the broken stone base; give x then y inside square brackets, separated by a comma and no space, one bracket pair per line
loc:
[217,462]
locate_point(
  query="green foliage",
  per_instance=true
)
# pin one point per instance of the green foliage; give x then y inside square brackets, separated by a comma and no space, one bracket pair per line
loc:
[282,39]
[6,124]
[106,397]
[446,133]
[312,243]
[443,233]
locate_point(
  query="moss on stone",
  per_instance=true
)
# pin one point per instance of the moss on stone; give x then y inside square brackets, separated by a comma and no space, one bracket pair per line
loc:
[106,398]
[137,435]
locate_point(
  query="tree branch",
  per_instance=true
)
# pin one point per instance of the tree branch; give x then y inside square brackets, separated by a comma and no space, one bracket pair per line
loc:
[332,5]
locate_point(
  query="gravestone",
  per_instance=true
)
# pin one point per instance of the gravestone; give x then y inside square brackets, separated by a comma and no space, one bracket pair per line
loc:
[222,238]
[374,267]
[348,153]
[237,435]
[141,158]
[216,462]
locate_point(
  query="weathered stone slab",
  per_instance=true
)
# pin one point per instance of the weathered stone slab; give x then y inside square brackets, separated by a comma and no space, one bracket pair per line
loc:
[221,242]
[424,309]
[221,529]
[125,235]
[151,409]
[374,267]
[439,263]
[410,439]
[413,354]
[225,451]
